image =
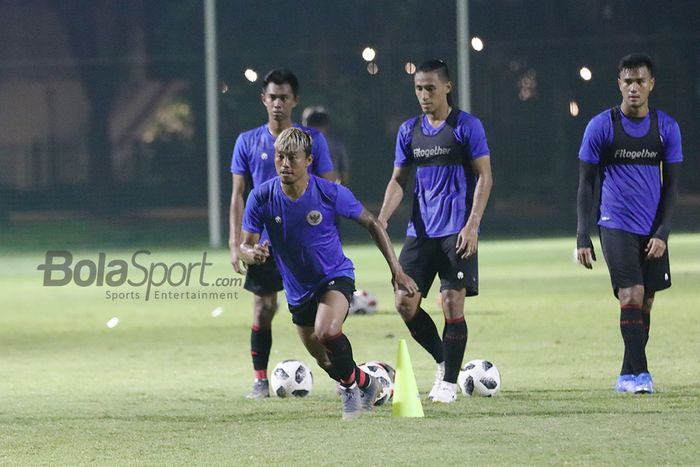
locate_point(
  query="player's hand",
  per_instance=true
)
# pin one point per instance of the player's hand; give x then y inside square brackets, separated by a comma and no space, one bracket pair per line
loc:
[238,264]
[655,248]
[467,242]
[261,252]
[585,257]
[403,281]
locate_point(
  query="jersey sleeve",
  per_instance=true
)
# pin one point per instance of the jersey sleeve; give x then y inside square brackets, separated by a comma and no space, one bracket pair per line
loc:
[598,130]
[239,161]
[472,133]
[253,215]
[402,155]
[322,162]
[672,142]
[346,204]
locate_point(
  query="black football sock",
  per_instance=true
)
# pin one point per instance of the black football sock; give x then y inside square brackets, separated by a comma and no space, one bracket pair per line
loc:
[626,364]
[260,345]
[360,376]
[340,354]
[454,339]
[632,330]
[331,371]
[425,332]
[646,317]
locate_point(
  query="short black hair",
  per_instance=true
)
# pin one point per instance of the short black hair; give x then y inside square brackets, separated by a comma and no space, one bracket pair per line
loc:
[281,76]
[634,61]
[438,66]
[315,117]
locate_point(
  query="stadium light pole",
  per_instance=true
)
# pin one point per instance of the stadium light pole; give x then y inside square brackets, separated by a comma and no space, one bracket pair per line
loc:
[212,104]
[463,69]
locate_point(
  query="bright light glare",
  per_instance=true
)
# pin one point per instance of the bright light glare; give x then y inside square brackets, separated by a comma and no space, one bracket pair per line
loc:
[410,68]
[585,73]
[251,75]
[477,44]
[573,108]
[368,54]
[372,68]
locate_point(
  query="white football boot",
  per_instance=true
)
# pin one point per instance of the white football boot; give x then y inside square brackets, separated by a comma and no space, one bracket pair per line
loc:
[439,375]
[446,393]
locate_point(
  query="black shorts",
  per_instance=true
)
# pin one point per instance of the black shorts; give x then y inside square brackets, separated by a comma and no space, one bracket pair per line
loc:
[422,258]
[627,263]
[263,279]
[305,313]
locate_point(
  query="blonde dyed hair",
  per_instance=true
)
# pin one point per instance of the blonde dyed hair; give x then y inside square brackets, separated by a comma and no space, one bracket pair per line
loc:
[293,140]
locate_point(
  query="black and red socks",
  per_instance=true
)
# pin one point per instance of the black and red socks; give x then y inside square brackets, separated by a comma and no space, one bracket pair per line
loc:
[454,339]
[260,345]
[634,334]
[424,331]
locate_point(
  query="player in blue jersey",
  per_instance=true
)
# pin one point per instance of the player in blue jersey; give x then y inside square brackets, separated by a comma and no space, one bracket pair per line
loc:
[251,165]
[298,212]
[636,152]
[317,117]
[453,182]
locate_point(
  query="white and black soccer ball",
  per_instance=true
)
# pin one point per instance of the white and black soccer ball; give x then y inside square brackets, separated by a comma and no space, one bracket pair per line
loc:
[291,378]
[384,374]
[364,302]
[479,378]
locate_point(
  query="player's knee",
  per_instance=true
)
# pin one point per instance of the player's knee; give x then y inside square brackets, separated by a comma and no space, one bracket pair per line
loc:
[452,303]
[631,295]
[406,307]
[264,311]
[326,332]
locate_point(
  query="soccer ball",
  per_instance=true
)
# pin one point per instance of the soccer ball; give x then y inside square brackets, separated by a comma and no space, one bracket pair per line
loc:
[385,375]
[480,378]
[363,303]
[291,378]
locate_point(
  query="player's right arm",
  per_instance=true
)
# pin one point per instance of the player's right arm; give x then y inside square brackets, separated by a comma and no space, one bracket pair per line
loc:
[250,249]
[584,204]
[252,252]
[240,187]
[597,135]
[399,177]
[393,194]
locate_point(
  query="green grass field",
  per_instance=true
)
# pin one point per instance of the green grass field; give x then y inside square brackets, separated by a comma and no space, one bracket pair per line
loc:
[166,385]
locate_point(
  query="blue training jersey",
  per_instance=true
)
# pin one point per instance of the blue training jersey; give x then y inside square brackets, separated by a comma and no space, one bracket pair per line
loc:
[630,192]
[254,154]
[308,252]
[444,181]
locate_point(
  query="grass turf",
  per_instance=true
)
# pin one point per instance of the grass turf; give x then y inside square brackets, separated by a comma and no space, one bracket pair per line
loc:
[166,385]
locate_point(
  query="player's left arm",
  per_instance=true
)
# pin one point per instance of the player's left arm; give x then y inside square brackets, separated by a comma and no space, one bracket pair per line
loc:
[400,279]
[468,237]
[669,193]
[673,150]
